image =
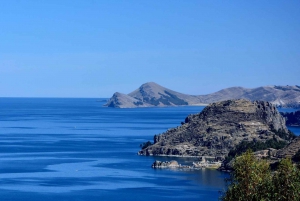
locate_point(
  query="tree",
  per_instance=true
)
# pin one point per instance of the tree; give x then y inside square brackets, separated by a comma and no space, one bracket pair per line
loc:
[286,182]
[252,180]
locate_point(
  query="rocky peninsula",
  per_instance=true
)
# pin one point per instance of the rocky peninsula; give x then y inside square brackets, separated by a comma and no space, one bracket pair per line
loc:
[222,127]
[151,94]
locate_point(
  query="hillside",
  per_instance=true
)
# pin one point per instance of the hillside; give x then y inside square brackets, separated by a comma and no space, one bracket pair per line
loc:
[219,128]
[153,95]
[150,95]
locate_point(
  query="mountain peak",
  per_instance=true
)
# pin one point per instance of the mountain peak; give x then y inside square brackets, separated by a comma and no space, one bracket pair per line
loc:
[215,131]
[151,94]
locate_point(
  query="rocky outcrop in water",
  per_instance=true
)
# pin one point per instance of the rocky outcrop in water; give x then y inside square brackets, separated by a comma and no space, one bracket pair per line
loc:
[166,164]
[219,128]
[196,165]
[153,95]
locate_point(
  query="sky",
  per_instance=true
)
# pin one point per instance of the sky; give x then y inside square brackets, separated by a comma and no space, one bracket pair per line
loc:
[93,48]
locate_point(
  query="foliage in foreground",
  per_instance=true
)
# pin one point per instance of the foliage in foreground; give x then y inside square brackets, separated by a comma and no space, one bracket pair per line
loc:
[253,180]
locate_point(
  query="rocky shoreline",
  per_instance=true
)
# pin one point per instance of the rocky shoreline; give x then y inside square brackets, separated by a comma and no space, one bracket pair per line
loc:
[223,130]
[194,166]
[219,128]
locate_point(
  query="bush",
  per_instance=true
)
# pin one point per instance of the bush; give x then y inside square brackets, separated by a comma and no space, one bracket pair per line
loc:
[252,180]
[249,181]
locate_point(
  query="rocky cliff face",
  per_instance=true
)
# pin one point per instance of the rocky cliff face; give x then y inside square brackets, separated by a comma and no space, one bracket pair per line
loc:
[152,95]
[219,128]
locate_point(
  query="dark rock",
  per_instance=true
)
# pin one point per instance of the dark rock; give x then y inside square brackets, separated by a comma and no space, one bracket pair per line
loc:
[166,164]
[219,128]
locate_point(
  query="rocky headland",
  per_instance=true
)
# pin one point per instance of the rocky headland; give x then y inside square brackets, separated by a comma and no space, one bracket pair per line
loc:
[153,95]
[222,128]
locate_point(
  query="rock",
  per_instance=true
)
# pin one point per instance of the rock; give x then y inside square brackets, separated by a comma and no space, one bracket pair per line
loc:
[166,164]
[219,128]
[153,95]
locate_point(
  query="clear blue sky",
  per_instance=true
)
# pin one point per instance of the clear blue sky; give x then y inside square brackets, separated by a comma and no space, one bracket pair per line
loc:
[92,48]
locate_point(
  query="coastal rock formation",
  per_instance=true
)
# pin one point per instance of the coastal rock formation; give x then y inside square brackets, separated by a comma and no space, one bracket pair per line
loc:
[166,164]
[153,95]
[194,166]
[119,100]
[292,118]
[219,128]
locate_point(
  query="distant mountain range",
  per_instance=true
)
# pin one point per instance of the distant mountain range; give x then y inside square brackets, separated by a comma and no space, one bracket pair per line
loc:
[153,95]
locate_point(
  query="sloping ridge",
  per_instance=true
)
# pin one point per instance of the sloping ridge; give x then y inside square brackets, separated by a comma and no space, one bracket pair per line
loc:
[219,128]
[151,95]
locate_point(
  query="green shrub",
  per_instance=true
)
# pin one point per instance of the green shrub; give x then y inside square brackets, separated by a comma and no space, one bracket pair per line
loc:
[252,180]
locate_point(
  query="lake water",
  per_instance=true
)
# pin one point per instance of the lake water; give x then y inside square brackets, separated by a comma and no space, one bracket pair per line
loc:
[75,149]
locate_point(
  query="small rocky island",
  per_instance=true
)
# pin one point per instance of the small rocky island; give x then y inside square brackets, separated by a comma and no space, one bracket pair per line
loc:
[223,128]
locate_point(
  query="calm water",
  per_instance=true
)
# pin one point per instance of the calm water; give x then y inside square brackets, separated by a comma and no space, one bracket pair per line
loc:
[75,149]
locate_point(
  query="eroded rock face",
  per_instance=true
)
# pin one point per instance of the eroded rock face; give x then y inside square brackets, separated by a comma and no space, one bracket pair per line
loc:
[219,128]
[166,164]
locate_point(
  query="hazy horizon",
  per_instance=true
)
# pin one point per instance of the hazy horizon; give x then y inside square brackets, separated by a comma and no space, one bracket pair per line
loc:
[111,94]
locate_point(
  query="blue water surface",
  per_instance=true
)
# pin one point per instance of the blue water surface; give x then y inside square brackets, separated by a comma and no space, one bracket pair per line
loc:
[75,149]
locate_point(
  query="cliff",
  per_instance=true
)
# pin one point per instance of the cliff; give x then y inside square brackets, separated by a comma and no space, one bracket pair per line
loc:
[219,128]
[152,95]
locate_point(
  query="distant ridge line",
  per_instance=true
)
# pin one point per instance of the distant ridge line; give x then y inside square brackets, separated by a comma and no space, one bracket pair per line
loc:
[152,94]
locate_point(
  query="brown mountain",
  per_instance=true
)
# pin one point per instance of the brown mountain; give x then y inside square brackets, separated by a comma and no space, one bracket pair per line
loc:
[220,127]
[152,95]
